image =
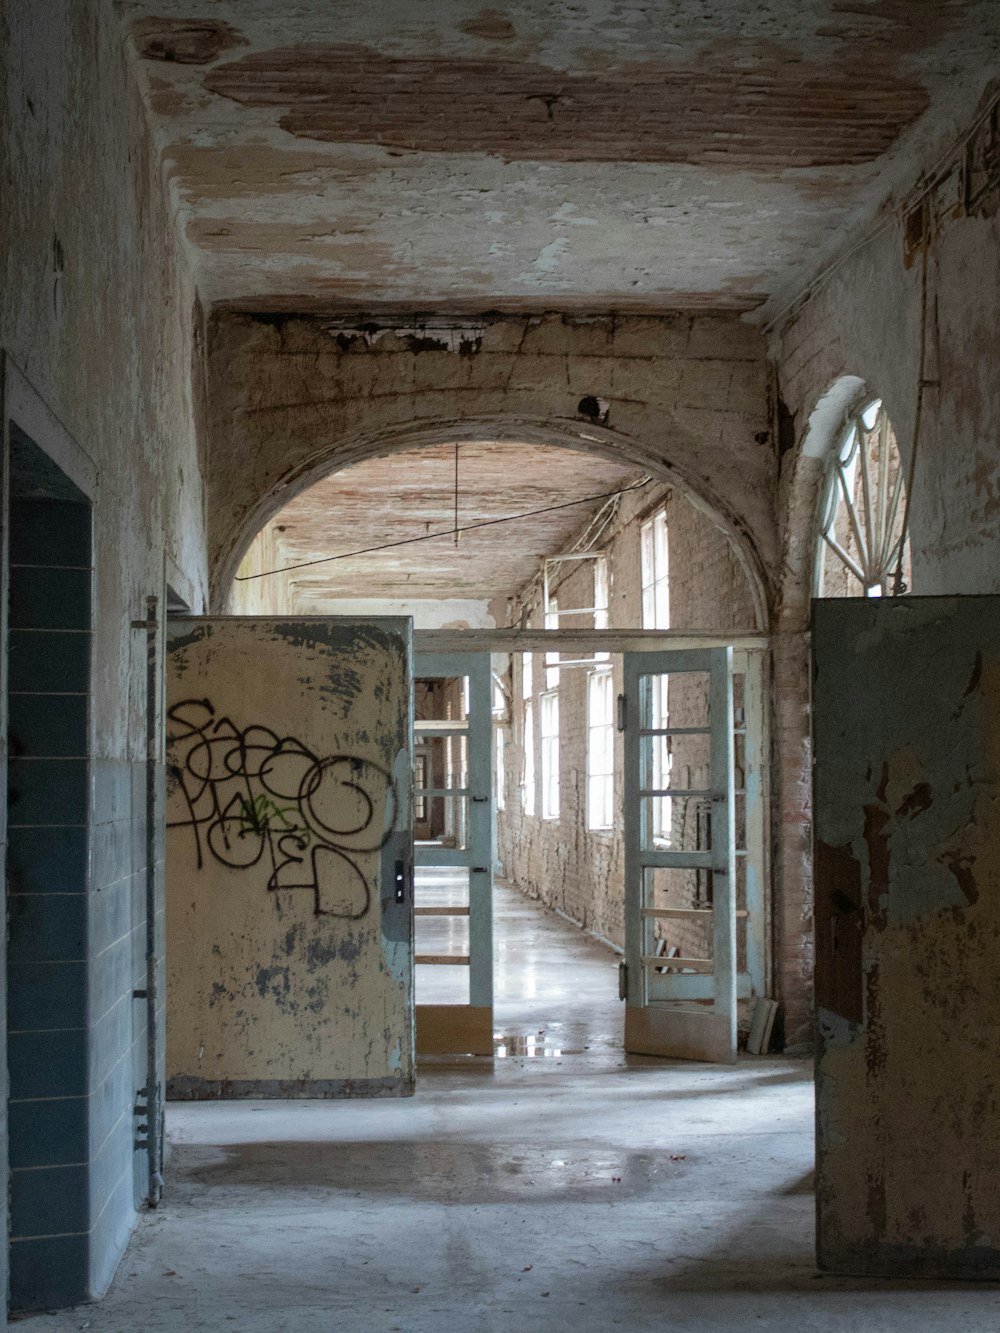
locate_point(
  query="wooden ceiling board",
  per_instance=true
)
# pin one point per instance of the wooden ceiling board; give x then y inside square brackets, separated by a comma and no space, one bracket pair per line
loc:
[412,494]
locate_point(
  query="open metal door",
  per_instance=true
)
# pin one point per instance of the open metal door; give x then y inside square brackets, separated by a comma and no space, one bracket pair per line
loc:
[289,858]
[453,801]
[906,728]
[680,969]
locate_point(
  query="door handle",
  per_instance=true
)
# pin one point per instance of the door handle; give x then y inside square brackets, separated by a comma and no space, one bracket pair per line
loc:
[400,878]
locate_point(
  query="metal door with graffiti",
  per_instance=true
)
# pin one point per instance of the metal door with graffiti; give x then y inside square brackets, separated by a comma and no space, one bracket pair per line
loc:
[289,858]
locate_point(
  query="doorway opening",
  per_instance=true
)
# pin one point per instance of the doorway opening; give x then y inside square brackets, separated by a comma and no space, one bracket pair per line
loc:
[48,631]
[534,805]
[672,738]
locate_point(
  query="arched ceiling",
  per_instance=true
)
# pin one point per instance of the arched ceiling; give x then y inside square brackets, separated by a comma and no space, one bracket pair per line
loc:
[544,154]
[411,494]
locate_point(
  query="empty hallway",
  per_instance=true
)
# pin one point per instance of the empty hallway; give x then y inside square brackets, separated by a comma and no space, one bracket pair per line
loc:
[563,1186]
[556,441]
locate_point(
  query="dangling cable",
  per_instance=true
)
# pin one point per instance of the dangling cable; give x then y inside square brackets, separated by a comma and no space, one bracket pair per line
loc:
[457,530]
[446,532]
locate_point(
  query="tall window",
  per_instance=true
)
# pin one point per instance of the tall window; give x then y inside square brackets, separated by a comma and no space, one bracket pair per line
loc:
[600,750]
[656,615]
[528,780]
[528,739]
[861,522]
[549,703]
[552,659]
[601,601]
[601,592]
[654,553]
[500,718]
[655,568]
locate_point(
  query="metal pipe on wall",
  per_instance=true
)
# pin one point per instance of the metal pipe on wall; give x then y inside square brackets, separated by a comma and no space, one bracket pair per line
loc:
[154,1100]
[152,1092]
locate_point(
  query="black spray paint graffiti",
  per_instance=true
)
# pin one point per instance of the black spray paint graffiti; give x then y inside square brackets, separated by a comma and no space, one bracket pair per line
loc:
[251,796]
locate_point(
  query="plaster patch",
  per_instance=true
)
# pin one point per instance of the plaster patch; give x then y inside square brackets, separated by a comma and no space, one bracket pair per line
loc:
[547,264]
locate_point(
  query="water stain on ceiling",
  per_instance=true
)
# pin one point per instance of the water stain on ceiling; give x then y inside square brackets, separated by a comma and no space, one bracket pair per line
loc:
[759,108]
[184,42]
[575,155]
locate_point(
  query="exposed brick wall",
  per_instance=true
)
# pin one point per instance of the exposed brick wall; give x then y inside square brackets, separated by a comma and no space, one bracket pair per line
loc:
[560,861]
[712,109]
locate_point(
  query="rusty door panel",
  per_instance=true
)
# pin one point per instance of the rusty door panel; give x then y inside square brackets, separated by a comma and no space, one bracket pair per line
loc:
[906,722]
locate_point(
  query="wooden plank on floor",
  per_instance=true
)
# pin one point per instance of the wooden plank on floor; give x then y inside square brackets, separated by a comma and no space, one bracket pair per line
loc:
[760,1026]
[454,1029]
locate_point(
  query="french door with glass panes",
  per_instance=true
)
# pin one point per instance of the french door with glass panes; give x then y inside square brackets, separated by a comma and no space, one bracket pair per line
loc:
[453,805]
[681,910]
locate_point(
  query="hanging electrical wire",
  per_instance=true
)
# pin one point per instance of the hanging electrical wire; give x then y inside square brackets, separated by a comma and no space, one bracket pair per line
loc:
[454,532]
[598,525]
[458,531]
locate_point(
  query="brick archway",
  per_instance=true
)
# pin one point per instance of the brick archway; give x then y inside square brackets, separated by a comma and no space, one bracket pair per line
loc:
[684,397]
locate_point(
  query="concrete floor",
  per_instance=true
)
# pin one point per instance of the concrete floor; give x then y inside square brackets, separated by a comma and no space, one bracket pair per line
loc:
[562,1187]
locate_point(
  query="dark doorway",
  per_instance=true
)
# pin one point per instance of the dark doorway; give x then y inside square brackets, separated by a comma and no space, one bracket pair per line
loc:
[48,856]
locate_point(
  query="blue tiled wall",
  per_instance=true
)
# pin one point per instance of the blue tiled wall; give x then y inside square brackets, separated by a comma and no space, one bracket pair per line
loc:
[117,949]
[49,908]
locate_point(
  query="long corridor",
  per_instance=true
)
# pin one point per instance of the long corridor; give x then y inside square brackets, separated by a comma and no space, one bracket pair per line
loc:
[561,1186]
[555,987]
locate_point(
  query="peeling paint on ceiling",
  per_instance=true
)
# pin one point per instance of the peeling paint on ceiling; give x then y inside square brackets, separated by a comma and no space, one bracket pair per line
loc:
[564,155]
[751,106]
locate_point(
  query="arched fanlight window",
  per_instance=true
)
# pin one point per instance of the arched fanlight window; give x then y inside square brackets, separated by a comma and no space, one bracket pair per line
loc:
[863,509]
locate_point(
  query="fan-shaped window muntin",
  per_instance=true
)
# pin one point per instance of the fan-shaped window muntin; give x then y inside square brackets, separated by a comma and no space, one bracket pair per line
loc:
[863,510]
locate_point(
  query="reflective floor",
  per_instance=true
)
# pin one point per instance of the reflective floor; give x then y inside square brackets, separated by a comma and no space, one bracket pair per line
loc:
[555,987]
[561,1187]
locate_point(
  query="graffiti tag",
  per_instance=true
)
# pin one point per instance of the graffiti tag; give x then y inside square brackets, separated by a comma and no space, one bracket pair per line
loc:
[251,797]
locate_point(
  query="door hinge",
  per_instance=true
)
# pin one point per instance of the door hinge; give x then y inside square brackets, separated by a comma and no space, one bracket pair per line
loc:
[621,712]
[622,980]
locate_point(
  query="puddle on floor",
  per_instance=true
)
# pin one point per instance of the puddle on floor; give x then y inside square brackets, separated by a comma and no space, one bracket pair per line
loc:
[531,1047]
[451,1170]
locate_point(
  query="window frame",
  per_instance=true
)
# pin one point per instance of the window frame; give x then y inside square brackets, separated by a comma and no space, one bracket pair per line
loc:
[500,767]
[548,722]
[601,780]
[528,784]
[863,458]
[654,570]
